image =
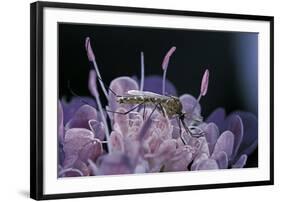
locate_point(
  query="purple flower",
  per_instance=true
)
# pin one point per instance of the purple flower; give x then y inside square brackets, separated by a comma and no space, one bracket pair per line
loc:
[123,138]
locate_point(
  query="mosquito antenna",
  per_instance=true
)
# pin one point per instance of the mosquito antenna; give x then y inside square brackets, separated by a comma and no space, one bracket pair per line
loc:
[181,136]
[184,126]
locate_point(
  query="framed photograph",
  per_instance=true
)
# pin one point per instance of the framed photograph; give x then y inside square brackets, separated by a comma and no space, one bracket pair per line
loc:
[134,100]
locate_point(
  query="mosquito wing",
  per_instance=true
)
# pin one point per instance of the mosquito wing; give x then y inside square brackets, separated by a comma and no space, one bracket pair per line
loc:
[145,94]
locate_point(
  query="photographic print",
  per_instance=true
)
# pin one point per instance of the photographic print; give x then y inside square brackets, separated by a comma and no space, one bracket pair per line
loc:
[146,100]
[131,100]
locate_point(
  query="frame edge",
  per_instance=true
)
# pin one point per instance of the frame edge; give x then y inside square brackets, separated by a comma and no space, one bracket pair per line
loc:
[36,104]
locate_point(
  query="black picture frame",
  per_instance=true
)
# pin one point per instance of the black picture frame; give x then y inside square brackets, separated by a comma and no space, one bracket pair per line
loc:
[36,99]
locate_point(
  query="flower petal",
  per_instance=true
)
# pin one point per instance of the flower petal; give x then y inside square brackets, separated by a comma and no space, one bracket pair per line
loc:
[120,86]
[188,103]
[163,154]
[241,162]
[75,140]
[217,117]
[198,159]
[70,172]
[145,130]
[179,161]
[97,128]
[115,163]
[69,108]
[176,128]
[142,167]
[60,123]
[152,143]
[81,117]
[235,125]
[82,167]
[132,148]
[121,121]
[116,141]
[78,169]
[212,134]
[250,138]
[209,164]
[224,143]
[92,150]
[222,160]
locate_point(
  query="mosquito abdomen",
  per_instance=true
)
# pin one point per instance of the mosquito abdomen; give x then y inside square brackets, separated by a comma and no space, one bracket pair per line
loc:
[139,100]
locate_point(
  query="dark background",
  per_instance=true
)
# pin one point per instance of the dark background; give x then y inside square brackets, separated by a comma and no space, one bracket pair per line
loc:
[231,58]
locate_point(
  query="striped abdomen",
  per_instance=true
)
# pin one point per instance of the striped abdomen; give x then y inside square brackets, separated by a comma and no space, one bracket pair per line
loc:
[172,106]
[139,100]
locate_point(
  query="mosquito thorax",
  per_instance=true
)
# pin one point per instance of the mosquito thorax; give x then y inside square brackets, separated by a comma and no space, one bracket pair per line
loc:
[173,106]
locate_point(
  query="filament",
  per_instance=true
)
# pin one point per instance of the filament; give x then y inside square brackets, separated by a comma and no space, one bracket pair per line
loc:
[100,81]
[104,121]
[164,82]
[142,72]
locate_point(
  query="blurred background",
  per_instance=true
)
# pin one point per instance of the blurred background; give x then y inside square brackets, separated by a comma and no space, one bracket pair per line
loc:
[231,57]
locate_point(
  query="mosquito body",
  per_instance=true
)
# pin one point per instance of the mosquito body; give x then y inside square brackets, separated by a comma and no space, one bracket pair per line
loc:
[170,106]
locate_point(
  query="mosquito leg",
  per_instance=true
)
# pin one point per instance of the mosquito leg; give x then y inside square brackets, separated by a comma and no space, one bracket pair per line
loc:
[124,113]
[157,105]
[143,115]
[162,109]
[181,136]
[186,128]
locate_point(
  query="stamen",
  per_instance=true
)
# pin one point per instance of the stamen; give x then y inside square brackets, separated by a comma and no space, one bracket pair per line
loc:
[203,90]
[165,67]
[142,72]
[92,59]
[95,93]
[205,83]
